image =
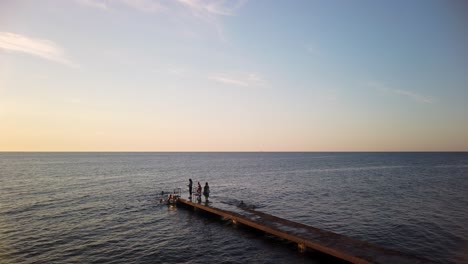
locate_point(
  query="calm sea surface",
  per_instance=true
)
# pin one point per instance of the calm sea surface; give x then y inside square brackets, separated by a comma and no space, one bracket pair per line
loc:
[104,207]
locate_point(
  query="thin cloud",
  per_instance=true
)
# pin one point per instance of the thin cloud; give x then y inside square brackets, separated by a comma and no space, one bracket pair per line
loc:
[230,81]
[246,80]
[213,7]
[256,79]
[409,94]
[148,6]
[42,48]
[200,8]
[93,3]
[209,12]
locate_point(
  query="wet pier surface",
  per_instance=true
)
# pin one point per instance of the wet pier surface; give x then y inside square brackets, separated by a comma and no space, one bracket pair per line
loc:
[336,245]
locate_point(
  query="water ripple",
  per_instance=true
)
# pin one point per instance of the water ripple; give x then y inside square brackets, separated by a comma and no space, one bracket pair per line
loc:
[104,207]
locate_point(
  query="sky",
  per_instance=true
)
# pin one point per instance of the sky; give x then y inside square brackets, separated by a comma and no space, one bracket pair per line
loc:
[237,75]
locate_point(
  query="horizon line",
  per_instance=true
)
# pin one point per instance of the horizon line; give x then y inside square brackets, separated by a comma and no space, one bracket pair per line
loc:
[235,151]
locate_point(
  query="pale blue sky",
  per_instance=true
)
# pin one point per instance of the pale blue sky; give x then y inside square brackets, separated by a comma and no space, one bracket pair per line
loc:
[188,75]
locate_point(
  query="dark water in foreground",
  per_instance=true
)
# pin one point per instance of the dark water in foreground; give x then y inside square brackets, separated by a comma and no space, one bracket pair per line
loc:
[103,207]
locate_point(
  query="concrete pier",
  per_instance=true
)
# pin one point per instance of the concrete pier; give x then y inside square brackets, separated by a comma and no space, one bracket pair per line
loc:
[336,245]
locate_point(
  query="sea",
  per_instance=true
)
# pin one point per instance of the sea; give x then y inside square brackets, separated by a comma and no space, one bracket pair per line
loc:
[105,207]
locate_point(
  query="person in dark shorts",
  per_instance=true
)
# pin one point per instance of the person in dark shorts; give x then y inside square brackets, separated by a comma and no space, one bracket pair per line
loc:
[190,188]
[198,194]
[206,191]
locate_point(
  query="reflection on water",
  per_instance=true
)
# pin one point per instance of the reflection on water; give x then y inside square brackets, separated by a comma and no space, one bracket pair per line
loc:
[104,207]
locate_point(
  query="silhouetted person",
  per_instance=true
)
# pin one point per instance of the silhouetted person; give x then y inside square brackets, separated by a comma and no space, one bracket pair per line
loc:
[206,191]
[190,188]
[199,192]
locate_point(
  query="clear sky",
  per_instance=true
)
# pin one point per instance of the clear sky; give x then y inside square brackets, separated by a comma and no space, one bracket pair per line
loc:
[263,75]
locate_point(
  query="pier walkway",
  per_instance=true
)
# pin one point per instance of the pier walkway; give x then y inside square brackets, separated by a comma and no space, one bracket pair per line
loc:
[339,246]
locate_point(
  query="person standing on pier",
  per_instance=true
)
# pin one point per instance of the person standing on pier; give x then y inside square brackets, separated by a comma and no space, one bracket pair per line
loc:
[198,194]
[206,191]
[190,188]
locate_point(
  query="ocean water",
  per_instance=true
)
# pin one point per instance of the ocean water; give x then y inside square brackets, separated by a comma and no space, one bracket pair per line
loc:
[104,207]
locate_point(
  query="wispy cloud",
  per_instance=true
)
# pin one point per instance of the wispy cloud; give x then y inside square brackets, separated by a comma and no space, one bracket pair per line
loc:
[226,80]
[213,7]
[199,8]
[209,12]
[212,11]
[93,3]
[245,80]
[409,94]
[148,6]
[43,48]
[241,79]
[256,79]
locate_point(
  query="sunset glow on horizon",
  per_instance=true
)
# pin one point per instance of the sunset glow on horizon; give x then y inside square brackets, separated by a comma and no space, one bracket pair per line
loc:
[187,75]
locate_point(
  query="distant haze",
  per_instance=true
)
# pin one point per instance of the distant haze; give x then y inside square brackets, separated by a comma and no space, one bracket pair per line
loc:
[187,75]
